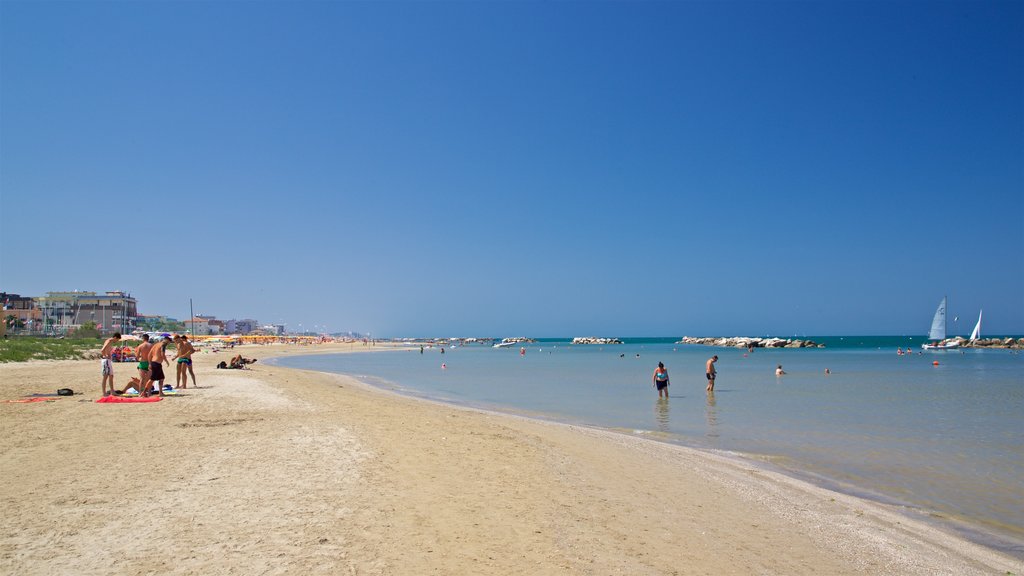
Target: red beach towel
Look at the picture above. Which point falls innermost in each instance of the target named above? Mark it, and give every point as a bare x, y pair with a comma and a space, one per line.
123, 400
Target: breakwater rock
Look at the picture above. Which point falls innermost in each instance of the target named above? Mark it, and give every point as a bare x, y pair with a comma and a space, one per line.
517, 340
1013, 344
747, 342
595, 340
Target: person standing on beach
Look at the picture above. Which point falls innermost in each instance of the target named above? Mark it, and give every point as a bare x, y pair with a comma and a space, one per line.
710, 372
179, 367
106, 364
157, 359
661, 380
142, 354
184, 362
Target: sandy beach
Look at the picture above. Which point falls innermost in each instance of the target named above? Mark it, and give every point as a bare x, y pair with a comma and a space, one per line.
280, 471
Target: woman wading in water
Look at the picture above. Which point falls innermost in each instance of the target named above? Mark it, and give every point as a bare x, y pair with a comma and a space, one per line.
661, 380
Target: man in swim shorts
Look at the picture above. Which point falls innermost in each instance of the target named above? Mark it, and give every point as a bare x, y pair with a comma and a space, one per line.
157, 359
710, 372
142, 353
106, 364
179, 366
184, 358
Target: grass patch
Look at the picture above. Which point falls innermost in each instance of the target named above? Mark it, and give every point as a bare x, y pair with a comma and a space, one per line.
24, 348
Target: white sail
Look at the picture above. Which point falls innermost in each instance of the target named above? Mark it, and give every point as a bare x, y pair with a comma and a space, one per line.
977, 328
938, 331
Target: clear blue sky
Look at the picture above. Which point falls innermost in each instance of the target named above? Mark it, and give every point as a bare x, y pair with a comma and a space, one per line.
520, 168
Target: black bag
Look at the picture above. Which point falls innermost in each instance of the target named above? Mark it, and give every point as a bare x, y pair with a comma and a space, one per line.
65, 392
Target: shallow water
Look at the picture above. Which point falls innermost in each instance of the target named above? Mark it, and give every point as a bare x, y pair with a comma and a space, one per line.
944, 441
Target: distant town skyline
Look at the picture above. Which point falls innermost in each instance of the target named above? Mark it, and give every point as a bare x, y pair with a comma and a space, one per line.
539, 169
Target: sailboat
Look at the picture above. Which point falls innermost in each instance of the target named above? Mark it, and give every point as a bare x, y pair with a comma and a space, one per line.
938, 331
976, 333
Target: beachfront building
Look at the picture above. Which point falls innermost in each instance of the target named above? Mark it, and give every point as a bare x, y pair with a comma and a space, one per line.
246, 326
203, 326
63, 312
20, 315
272, 329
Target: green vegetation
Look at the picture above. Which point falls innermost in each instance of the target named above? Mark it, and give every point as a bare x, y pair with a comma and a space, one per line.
22, 348
161, 326
87, 330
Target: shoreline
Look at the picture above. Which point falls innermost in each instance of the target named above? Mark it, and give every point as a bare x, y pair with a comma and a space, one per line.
276, 469
978, 533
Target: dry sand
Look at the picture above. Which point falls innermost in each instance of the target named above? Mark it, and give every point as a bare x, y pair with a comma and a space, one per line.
279, 471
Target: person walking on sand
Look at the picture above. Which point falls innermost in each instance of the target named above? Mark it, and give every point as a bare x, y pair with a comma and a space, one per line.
106, 364
661, 380
710, 372
157, 359
142, 353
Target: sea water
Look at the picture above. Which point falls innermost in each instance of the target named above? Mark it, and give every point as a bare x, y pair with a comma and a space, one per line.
944, 441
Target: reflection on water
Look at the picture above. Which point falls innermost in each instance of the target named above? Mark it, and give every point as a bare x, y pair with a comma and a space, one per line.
661, 415
711, 416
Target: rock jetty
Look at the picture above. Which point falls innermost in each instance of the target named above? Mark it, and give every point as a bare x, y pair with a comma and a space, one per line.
1013, 344
595, 340
747, 342
517, 340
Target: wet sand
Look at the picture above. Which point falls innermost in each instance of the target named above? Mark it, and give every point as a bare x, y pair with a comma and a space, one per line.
279, 471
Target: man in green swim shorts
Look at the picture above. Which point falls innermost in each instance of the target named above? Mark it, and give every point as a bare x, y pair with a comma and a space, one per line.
142, 353
185, 350
184, 358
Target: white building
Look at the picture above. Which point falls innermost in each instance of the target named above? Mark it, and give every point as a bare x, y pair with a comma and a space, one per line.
202, 327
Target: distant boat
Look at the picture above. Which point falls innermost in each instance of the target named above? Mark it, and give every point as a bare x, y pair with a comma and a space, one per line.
938, 331
977, 328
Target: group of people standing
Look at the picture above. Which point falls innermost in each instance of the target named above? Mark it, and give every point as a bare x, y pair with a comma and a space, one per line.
152, 356
661, 380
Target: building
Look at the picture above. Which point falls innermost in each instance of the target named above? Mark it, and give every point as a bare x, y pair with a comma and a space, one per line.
241, 326
26, 317
111, 312
203, 326
272, 329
